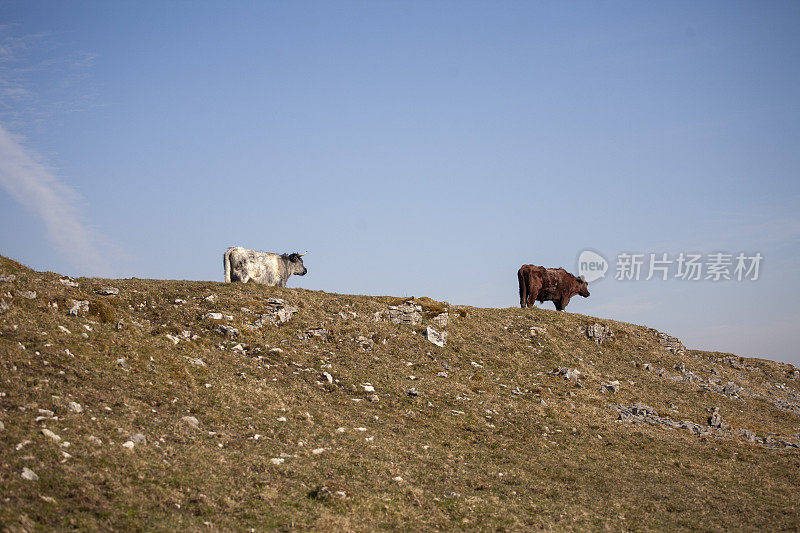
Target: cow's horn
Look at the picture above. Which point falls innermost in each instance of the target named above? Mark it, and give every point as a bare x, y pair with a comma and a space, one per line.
304, 253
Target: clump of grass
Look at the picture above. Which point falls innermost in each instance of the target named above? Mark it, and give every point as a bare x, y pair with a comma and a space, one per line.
102, 310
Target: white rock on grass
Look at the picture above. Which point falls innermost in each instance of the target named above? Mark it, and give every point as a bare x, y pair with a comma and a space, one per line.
95, 440
2, 426
29, 474
107, 291
277, 460
138, 438
368, 387
213, 316
128, 444
47, 433
317, 451
191, 421
439, 339
65, 330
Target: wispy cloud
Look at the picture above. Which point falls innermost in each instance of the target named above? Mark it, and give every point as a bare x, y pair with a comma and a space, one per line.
36, 187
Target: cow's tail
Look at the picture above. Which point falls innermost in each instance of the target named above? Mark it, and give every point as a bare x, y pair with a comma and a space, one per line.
523, 293
226, 260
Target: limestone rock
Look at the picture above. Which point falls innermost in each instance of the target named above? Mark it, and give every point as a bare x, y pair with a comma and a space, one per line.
441, 320
68, 282
191, 421
731, 389
79, 308
365, 342
107, 291
435, 337
75, 407
715, 420
29, 474
7, 278
321, 333
672, 344
407, 313
3, 306
227, 331
28, 295
599, 333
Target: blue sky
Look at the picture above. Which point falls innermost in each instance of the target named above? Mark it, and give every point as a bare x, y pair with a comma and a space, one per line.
415, 148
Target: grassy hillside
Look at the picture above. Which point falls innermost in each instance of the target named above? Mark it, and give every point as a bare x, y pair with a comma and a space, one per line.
140, 411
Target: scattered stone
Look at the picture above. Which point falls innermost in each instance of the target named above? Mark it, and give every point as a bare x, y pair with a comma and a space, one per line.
7, 278
368, 387
374, 398
320, 333
347, 315
28, 295
138, 438
672, 344
210, 298
238, 348
128, 444
75, 407
173, 338
568, 373
123, 363
715, 420
226, 331
196, 361
365, 342
49, 434
94, 440
120, 325
612, 386
275, 350
68, 282
213, 316
107, 291
317, 451
648, 367
442, 374
439, 339
29, 474
277, 460
731, 389
191, 422
536, 330
3, 306
413, 392
2, 426
328, 377
599, 333
279, 313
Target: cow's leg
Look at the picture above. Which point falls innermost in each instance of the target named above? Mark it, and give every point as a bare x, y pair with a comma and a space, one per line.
523, 293
563, 303
533, 291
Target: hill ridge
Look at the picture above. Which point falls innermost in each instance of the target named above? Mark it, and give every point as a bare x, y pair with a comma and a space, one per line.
142, 404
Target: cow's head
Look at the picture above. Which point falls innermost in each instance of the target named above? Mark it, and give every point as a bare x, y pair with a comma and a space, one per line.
583, 286
295, 263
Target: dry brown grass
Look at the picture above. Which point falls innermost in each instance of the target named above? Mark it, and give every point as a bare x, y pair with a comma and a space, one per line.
566, 463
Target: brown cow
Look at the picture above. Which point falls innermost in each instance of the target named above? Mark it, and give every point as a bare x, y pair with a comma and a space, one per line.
549, 284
